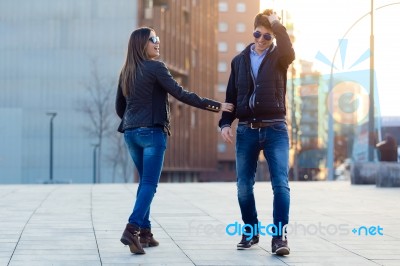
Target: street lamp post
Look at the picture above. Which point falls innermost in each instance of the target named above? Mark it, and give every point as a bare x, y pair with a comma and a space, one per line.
371, 120
52, 116
95, 147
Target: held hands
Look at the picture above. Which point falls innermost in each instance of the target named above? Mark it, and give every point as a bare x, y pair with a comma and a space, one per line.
226, 132
227, 107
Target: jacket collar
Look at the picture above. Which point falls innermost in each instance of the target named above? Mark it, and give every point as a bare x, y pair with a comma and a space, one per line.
246, 51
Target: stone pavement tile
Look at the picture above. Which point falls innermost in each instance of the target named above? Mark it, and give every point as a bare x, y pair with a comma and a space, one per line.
57, 224
31, 230
5, 254
71, 262
328, 260
325, 263
232, 254
194, 245
244, 261
373, 248
57, 252
147, 264
9, 239
387, 262
253, 261
375, 256
7, 247
108, 234
50, 236
355, 247
167, 259
56, 244
4, 259
54, 257
9, 230
304, 246
113, 248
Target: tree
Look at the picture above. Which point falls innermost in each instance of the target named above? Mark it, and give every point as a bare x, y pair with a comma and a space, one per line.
120, 159
98, 107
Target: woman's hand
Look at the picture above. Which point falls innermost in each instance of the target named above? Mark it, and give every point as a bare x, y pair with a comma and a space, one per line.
227, 107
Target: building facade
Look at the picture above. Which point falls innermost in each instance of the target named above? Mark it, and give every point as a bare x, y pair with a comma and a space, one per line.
235, 29
188, 32
50, 54
311, 152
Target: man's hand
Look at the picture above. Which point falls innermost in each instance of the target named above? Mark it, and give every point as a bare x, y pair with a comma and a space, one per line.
227, 135
271, 16
227, 107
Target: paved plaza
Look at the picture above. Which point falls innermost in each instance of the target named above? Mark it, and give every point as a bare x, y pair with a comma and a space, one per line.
81, 225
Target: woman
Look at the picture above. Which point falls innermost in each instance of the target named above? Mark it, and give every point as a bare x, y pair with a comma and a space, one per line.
142, 104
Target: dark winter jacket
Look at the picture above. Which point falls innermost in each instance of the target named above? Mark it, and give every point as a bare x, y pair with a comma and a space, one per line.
148, 105
270, 85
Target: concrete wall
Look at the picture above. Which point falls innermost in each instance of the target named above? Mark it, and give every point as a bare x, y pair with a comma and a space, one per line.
47, 51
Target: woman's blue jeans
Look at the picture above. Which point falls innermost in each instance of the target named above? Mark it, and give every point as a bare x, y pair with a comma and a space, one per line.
147, 148
274, 142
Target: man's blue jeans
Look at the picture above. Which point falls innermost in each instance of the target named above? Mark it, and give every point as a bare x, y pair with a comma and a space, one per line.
274, 142
147, 148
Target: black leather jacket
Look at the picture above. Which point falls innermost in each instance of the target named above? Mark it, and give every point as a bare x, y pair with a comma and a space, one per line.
269, 87
148, 105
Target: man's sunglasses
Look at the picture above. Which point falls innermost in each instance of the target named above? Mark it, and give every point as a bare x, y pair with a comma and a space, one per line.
266, 36
154, 39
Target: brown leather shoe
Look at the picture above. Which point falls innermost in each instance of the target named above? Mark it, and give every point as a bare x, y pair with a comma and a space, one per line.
130, 237
147, 239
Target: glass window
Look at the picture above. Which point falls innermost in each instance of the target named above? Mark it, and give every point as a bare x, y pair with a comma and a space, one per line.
222, 46
222, 67
221, 87
223, 27
240, 27
221, 147
241, 7
223, 7
240, 46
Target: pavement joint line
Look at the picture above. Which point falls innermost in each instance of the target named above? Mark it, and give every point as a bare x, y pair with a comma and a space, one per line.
180, 248
348, 250
30, 217
91, 219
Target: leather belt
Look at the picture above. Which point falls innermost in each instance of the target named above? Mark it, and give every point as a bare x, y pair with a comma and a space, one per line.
257, 125
155, 126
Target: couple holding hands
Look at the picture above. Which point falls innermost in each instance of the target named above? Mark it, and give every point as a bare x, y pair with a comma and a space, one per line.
255, 95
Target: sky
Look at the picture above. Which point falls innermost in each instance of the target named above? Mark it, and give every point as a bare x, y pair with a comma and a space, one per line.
320, 24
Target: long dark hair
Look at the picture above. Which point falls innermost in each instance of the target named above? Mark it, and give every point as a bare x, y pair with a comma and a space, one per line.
135, 56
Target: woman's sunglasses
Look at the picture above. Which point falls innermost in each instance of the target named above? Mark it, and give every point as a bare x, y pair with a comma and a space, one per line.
154, 39
266, 36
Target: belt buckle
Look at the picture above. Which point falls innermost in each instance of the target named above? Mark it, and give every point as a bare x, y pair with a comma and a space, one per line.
252, 127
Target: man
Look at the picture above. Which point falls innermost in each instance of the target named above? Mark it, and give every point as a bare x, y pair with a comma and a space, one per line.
257, 88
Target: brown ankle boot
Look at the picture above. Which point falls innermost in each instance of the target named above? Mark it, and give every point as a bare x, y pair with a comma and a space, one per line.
147, 239
130, 237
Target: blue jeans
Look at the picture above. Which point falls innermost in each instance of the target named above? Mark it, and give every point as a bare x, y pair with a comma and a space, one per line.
147, 148
274, 142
